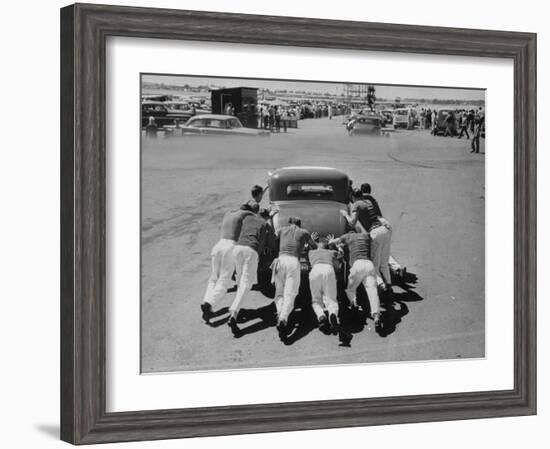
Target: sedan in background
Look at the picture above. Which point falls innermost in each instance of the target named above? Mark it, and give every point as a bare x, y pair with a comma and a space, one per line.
216, 124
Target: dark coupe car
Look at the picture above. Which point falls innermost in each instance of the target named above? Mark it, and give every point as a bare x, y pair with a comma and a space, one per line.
316, 195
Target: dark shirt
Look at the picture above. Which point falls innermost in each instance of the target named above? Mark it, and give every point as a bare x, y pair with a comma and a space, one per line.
367, 213
377, 210
232, 223
326, 256
292, 240
253, 203
477, 130
358, 245
151, 130
253, 233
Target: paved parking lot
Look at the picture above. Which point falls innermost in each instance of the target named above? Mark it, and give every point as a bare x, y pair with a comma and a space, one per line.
430, 188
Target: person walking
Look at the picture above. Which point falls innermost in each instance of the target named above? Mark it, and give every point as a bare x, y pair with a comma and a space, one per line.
362, 271
323, 287
250, 244
464, 126
471, 120
286, 269
222, 258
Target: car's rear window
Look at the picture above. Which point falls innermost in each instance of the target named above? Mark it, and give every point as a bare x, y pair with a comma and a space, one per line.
309, 190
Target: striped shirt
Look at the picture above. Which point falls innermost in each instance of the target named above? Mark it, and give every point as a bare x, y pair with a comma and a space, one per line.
326, 256
292, 240
358, 245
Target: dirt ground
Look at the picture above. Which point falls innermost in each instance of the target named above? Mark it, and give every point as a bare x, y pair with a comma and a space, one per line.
430, 188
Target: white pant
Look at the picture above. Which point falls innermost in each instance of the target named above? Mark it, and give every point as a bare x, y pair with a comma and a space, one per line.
322, 283
246, 264
380, 252
363, 272
223, 265
287, 285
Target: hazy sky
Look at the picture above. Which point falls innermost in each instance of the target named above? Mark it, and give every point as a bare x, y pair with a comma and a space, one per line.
382, 91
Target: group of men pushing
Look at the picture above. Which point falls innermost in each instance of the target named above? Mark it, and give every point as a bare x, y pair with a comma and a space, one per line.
247, 231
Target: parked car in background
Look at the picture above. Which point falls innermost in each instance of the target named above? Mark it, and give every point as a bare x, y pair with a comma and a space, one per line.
180, 107
401, 117
388, 116
218, 124
441, 122
162, 114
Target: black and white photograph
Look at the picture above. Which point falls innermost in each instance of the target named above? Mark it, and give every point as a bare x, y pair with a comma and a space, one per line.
301, 223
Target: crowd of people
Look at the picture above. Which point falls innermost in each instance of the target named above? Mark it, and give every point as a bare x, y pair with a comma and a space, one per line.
246, 231
462, 122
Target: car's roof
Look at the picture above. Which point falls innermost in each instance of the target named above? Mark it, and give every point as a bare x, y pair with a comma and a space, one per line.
283, 177
213, 116
308, 174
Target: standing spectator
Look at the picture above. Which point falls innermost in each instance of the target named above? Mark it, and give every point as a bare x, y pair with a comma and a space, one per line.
258, 111
330, 112
151, 128
277, 119
271, 117
285, 117
476, 136
422, 118
266, 117
434, 122
177, 128
227, 109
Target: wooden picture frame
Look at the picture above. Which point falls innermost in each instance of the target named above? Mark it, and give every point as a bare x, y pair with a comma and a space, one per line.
84, 29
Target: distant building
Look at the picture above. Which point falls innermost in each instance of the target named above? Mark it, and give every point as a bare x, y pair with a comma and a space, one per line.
242, 99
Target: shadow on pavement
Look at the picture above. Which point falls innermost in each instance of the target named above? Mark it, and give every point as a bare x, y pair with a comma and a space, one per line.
302, 320
395, 307
216, 314
266, 316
